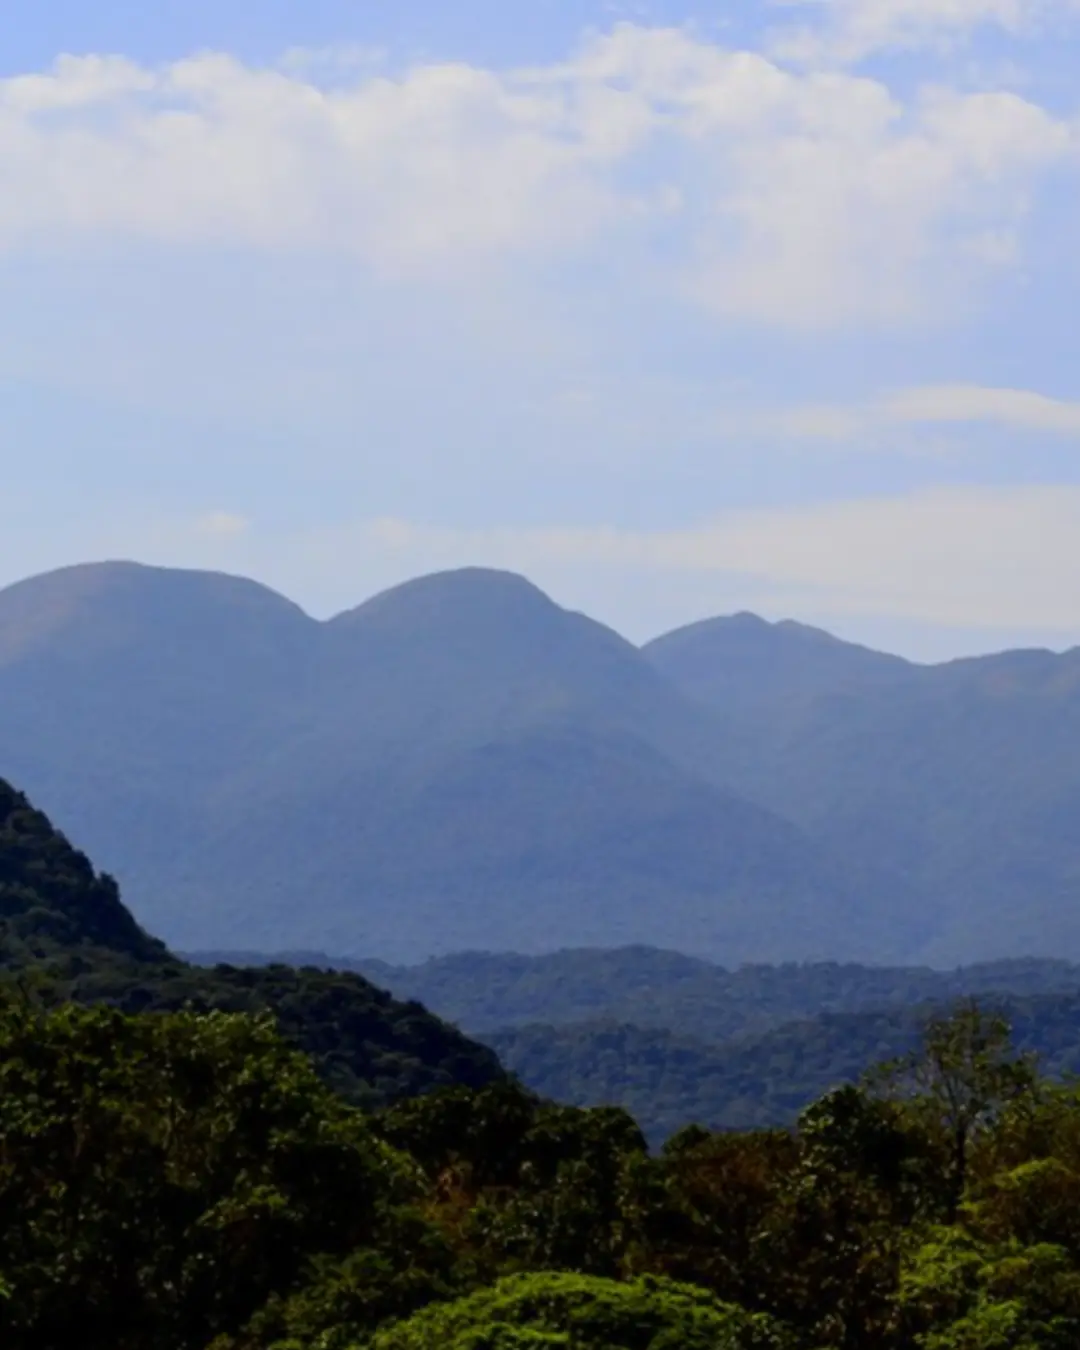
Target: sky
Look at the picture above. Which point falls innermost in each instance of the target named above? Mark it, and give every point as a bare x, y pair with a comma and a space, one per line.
678, 309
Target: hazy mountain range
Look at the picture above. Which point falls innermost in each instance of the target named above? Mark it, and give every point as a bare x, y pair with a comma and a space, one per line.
459, 763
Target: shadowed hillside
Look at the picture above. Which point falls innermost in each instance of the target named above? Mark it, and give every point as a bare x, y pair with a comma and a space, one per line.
65, 933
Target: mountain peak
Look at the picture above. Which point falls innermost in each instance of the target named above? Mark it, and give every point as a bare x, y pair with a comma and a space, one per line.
743, 658
455, 594
106, 602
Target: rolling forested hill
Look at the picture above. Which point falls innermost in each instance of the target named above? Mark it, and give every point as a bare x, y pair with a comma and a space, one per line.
675, 1040
754, 1081
64, 933
486, 991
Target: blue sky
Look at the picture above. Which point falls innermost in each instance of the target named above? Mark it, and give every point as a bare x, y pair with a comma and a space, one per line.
678, 314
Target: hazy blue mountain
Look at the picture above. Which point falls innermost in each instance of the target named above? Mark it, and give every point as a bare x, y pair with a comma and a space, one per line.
458, 762
744, 663
961, 778
127, 691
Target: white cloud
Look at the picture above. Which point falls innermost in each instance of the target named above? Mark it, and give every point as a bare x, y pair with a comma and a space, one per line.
1020, 409
978, 560
794, 199
848, 31
940, 404
965, 557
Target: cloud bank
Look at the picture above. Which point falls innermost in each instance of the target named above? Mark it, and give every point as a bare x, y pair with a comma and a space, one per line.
629, 322
758, 191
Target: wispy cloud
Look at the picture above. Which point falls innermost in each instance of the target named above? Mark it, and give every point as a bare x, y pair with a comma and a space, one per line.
1021, 409
845, 32
968, 557
791, 199
937, 404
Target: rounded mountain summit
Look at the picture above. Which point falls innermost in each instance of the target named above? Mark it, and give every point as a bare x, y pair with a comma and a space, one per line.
458, 762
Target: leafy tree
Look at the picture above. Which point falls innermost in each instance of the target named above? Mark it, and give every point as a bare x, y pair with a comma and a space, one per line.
576, 1312
958, 1294
960, 1079
163, 1177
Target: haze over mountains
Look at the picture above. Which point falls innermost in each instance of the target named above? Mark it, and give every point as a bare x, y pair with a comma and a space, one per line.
963, 778
459, 763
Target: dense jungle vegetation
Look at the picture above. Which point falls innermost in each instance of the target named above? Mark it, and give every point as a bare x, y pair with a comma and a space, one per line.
186, 1181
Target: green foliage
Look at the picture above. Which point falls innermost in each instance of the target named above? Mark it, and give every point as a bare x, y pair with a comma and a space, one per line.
958, 1294
963, 1075
187, 1181
579, 1312
545, 1186
50, 896
162, 1177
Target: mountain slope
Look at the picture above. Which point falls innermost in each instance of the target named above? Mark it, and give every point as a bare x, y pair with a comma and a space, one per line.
457, 762
742, 663
963, 779
125, 690
529, 842
65, 926
51, 897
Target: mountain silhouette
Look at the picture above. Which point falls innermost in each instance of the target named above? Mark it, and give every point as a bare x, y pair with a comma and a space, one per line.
456, 762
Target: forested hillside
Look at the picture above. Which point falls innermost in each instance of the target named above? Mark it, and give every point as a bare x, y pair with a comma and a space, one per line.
667, 1081
675, 1040
64, 933
185, 1181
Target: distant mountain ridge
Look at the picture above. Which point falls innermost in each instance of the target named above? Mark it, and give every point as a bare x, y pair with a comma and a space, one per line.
460, 763
963, 778
676, 1040
484, 992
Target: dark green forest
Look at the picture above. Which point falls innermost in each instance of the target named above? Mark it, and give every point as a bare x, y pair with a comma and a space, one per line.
187, 1181
282, 1159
